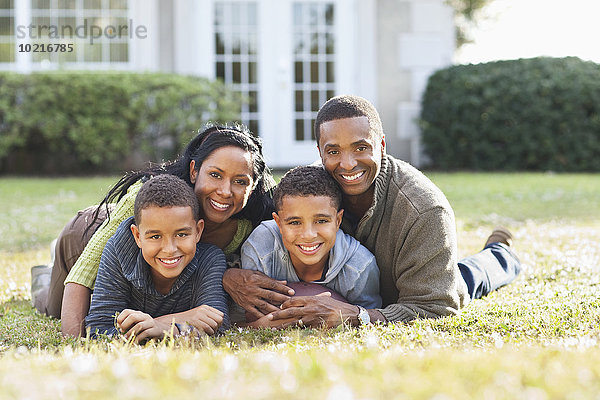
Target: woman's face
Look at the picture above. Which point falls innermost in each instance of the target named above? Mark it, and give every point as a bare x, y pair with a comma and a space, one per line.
223, 183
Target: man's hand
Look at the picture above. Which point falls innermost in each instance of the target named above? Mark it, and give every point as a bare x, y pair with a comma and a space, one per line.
142, 325
315, 311
254, 291
203, 318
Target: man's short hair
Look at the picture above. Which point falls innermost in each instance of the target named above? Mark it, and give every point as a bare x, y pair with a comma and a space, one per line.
348, 106
309, 180
165, 190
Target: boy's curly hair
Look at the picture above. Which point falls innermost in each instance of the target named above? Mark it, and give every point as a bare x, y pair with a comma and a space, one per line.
165, 190
309, 180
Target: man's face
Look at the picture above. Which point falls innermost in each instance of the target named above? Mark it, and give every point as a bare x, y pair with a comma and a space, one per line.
351, 154
308, 226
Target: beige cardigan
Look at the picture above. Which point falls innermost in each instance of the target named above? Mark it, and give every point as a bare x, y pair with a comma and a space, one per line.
411, 230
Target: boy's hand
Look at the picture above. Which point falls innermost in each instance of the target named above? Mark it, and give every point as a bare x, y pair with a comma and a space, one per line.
203, 318
254, 291
142, 325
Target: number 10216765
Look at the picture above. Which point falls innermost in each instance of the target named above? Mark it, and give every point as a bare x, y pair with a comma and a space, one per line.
45, 48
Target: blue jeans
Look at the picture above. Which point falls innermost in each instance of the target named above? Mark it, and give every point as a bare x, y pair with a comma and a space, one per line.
493, 267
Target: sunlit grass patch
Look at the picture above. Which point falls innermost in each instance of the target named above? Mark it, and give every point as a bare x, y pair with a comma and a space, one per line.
536, 338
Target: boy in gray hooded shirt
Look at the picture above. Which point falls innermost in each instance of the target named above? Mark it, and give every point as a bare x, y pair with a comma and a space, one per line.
304, 242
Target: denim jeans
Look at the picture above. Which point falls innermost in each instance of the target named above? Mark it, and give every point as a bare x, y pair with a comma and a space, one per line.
493, 267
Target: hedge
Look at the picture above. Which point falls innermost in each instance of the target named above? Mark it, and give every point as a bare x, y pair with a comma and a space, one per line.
82, 122
528, 114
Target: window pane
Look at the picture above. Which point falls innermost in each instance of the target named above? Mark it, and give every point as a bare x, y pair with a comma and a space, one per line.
314, 72
298, 44
221, 70
312, 133
236, 44
118, 52
297, 14
7, 52
67, 4
39, 3
299, 129
330, 72
7, 26
298, 72
219, 44
92, 52
329, 14
237, 73
118, 4
251, 41
253, 126
329, 43
67, 26
299, 100
95, 4
8, 4
252, 78
253, 106
314, 100
219, 14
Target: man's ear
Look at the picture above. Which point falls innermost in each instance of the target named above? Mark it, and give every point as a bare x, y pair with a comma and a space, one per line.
200, 228
277, 220
136, 235
193, 172
338, 218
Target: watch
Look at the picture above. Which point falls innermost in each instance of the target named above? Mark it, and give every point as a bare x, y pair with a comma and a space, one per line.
363, 316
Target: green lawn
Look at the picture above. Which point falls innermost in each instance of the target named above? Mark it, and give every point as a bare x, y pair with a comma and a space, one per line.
537, 338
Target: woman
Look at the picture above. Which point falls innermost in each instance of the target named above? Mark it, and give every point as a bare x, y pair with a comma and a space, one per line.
225, 167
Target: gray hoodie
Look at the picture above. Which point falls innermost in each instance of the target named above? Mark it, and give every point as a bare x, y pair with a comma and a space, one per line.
352, 270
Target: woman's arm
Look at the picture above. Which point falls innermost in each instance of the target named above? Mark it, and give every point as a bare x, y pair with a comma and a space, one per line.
84, 271
75, 306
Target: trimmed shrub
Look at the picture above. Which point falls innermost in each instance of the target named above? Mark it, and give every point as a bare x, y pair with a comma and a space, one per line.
528, 114
79, 122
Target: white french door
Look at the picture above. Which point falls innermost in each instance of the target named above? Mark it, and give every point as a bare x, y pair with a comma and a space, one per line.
287, 57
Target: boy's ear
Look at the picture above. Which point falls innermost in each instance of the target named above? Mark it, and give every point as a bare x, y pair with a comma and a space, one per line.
338, 218
193, 172
200, 228
136, 235
277, 220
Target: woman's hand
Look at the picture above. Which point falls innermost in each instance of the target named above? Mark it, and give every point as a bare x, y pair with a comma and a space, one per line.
255, 292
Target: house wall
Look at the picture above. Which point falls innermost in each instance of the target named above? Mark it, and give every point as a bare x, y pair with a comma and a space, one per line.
414, 38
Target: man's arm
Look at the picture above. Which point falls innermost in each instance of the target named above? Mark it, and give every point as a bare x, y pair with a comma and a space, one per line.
75, 307
427, 278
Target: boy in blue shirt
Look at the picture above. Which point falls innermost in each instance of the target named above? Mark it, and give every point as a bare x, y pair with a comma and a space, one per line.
304, 242
155, 273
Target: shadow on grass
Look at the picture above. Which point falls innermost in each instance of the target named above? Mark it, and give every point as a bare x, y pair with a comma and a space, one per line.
22, 325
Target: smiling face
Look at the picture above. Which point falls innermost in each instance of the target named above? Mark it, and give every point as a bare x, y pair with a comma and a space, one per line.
168, 238
308, 226
351, 153
223, 183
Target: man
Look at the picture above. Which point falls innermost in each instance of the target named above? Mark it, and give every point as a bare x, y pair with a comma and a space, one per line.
401, 217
